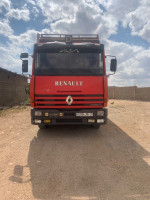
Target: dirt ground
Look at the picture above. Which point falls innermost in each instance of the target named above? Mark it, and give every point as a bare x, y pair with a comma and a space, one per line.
76, 162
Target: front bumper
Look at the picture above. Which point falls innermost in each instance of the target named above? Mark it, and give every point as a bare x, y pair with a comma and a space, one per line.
53, 117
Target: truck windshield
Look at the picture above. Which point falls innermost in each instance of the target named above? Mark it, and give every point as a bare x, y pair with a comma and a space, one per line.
68, 64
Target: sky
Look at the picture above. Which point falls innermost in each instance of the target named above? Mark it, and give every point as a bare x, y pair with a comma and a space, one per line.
123, 27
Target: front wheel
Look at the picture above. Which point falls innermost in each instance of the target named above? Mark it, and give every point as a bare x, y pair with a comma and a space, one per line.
96, 126
42, 126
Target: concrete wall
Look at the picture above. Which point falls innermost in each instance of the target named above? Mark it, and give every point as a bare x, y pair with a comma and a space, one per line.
13, 88
111, 94
143, 94
129, 93
124, 93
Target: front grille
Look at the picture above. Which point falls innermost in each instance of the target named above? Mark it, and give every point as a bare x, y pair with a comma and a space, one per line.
79, 101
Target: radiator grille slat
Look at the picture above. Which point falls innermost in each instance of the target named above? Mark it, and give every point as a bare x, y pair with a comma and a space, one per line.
59, 101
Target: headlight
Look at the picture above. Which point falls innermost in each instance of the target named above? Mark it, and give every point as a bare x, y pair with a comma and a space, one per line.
100, 113
37, 121
91, 120
38, 113
100, 120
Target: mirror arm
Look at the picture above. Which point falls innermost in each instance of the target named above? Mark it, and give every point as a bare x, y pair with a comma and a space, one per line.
31, 55
110, 56
28, 55
110, 74
27, 75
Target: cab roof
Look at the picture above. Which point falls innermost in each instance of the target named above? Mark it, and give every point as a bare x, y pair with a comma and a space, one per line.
64, 39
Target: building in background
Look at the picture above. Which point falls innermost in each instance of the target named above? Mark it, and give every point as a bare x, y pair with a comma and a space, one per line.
13, 88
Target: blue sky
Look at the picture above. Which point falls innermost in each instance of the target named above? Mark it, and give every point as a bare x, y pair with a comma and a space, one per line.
124, 35
123, 26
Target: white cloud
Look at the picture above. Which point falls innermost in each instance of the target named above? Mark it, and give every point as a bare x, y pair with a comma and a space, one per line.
31, 2
77, 17
10, 53
19, 14
133, 64
120, 8
6, 4
56, 10
25, 40
5, 29
132, 13
9, 59
78, 23
35, 11
138, 20
87, 16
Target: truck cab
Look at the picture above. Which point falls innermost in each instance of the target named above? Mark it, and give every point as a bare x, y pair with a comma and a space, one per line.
68, 83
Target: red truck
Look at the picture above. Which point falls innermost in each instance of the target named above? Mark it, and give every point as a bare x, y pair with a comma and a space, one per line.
68, 83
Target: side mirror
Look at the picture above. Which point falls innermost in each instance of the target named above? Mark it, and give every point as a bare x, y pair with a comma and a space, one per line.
24, 55
113, 65
24, 66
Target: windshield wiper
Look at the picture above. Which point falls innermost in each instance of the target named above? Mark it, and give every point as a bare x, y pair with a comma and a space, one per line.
69, 51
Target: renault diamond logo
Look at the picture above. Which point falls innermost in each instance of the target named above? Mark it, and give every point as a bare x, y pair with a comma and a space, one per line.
69, 100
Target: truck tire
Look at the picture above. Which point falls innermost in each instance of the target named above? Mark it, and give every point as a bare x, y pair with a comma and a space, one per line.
42, 126
96, 126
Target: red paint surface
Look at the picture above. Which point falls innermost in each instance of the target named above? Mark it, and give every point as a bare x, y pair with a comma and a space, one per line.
45, 85
91, 85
